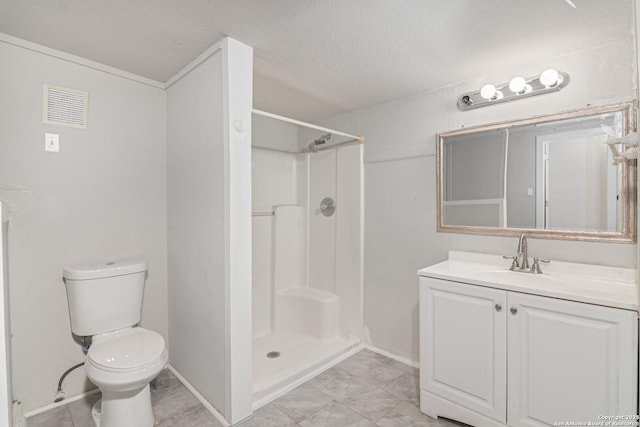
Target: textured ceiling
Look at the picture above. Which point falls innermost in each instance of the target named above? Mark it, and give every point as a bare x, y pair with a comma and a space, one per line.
316, 58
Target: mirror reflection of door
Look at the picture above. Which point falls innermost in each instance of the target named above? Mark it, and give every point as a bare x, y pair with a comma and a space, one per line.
575, 173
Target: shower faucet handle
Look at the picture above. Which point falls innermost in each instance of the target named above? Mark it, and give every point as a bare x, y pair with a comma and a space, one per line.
327, 206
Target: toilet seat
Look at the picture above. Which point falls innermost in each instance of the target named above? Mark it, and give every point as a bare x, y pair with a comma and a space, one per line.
125, 350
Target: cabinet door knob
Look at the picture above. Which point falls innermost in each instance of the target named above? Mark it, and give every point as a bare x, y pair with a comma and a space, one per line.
498, 307
514, 310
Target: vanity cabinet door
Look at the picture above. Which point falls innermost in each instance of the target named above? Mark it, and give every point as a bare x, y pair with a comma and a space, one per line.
463, 345
569, 361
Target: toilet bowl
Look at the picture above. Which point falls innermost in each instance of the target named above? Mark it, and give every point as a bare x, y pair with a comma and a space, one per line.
121, 364
105, 303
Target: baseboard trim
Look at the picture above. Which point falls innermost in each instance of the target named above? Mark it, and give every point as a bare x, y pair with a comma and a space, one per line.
200, 397
64, 402
393, 356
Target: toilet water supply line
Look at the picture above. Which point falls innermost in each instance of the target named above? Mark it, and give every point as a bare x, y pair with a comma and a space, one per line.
59, 393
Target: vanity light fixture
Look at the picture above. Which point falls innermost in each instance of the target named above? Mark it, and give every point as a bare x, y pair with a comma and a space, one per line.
519, 85
490, 93
550, 80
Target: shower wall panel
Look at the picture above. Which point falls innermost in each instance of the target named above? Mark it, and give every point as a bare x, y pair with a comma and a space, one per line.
322, 229
273, 177
289, 252
274, 181
335, 242
349, 239
299, 247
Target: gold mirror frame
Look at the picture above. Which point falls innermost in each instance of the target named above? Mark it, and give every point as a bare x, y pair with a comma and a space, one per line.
628, 193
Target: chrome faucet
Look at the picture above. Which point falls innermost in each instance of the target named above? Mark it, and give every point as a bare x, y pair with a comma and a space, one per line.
521, 253
521, 259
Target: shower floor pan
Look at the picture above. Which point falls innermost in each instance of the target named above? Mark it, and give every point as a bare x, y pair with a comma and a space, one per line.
301, 356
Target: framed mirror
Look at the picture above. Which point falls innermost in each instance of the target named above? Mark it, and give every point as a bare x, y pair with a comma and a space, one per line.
566, 176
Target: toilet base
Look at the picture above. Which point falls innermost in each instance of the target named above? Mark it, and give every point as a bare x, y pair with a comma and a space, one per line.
95, 412
124, 409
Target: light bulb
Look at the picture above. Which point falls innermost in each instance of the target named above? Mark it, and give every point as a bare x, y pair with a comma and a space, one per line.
517, 85
488, 91
549, 77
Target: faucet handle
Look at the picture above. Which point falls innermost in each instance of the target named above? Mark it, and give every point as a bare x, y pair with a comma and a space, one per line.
535, 267
515, 263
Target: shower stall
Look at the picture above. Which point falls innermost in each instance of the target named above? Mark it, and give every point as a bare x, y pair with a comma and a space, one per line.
307, 252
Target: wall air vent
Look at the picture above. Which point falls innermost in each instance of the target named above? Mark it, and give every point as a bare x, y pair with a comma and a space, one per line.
65, 107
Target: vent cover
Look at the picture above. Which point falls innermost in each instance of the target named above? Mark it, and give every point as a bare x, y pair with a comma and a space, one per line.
65, 107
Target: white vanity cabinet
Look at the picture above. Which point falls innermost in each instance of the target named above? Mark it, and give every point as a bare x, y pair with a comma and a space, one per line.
569, 361
490, 356
463, 348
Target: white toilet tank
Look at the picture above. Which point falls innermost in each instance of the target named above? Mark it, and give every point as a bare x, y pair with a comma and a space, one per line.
105, 297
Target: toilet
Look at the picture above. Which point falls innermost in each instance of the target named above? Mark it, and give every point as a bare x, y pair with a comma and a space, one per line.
105, 303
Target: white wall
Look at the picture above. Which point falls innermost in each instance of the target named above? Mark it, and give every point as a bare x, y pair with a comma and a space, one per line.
209, 226
6, 389
400, 196
103, 196
238, 103
196, 256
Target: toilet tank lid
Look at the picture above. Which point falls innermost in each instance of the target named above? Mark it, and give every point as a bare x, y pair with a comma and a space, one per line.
105, 269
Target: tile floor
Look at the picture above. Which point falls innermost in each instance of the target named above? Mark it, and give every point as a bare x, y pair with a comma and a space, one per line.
364, 390
173, 406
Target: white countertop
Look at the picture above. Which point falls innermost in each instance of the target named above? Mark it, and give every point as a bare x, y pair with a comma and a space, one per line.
593, 284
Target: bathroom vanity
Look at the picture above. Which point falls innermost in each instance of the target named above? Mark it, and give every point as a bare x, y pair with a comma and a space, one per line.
499, 347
